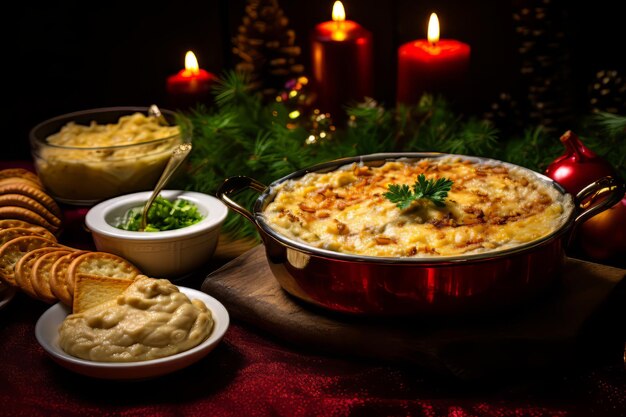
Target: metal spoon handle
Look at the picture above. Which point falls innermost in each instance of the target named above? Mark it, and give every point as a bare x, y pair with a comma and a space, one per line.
155, 111
178, 156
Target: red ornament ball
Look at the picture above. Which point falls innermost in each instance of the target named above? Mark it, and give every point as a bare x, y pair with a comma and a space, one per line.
579, 166
604, 235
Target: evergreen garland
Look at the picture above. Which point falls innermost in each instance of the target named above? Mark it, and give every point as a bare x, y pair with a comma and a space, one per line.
243, 136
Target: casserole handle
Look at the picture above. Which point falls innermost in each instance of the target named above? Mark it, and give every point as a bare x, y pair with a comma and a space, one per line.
595, 198
235, 185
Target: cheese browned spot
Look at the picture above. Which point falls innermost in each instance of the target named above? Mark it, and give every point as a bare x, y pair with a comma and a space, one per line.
491, 206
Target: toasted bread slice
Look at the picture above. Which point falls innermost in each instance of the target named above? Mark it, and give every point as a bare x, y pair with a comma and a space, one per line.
92, 290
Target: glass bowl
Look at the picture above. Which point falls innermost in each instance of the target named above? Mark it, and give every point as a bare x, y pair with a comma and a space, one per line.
86, 175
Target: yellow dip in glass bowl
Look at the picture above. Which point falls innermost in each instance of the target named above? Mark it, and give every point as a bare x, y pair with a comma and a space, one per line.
86, 157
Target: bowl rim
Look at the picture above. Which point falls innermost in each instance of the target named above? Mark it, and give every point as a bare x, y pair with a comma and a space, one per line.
95, 218
95, 111
267, 196
221, 319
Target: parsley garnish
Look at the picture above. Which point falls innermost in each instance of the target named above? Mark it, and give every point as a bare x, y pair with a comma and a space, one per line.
433, 190
163, 215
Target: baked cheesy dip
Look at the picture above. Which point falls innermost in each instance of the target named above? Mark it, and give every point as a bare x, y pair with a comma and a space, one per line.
151, 319
491, 206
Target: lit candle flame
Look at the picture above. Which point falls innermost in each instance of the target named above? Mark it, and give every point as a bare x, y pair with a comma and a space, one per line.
191, 63
339, 18
339, 13
433, 28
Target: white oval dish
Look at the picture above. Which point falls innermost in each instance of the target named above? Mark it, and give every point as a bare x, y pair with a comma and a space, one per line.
166, 254
47, 334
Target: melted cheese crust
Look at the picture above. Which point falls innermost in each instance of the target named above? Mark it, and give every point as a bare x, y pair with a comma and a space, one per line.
490, 207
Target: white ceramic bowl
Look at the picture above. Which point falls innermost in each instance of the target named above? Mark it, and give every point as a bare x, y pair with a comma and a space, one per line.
166, 254
47, 333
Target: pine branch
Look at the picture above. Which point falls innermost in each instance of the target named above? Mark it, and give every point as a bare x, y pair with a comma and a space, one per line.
433, 127
232, 89
475, 137
370, 129
535, 149
612, 124
611, 140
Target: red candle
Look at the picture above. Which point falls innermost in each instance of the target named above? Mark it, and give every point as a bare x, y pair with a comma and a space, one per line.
433, 65
191, 85
342, 62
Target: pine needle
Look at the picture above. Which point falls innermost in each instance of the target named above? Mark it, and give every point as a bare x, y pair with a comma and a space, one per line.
612, 124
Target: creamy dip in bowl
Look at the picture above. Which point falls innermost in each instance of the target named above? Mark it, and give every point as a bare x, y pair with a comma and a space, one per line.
150, 320
47, 334
85, 157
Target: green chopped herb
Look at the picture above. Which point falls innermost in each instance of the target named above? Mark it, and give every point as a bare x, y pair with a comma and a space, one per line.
434, 190
163, 215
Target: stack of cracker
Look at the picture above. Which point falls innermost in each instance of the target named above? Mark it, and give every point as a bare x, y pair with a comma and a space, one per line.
46, 270
31, 258
23, 197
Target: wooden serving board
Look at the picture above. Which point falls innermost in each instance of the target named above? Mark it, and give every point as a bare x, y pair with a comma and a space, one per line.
551, 331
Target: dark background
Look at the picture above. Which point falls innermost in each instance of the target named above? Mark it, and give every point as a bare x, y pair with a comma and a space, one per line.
77, 55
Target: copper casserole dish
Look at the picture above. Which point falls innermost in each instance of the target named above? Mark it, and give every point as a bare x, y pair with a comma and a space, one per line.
380, 286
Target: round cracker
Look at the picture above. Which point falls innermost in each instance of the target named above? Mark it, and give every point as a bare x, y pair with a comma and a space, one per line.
17, 180
13, 232
20, 213
33, 193
24, 266
40, 274
20, 200
20, 173
12, 251
100, 263
58, 277
8, 223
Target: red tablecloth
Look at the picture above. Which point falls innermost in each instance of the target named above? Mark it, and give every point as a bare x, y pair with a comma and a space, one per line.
249, 374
